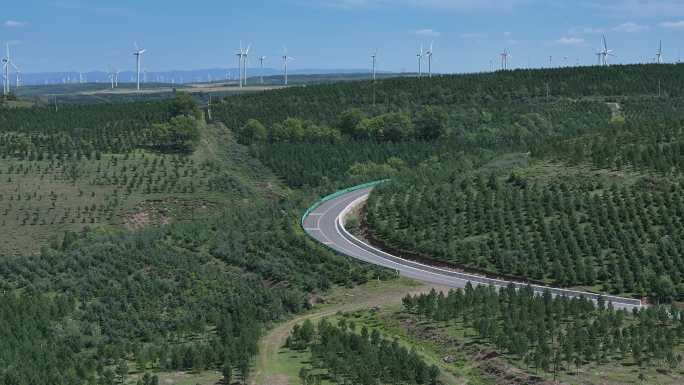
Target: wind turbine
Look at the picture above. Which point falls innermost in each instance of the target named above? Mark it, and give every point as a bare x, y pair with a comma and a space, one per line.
286, 59
239, 56
112, 76
606, 52
244, 64
374, 56
261, 70
7, 63
138, 58
504, 60
659, 55
428, 53
420, 55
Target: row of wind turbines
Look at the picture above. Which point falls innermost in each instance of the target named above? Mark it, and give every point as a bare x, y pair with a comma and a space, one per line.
424, 56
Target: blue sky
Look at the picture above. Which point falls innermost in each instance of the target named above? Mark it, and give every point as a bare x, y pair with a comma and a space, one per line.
84, 35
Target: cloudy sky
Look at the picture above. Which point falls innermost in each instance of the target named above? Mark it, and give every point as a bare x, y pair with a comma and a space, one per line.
85, 35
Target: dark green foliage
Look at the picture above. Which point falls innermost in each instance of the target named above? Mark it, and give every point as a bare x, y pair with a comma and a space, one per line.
178, 135
556, 333
431, 123
569, 234
359, 358
183, 104
326, 167
34, 350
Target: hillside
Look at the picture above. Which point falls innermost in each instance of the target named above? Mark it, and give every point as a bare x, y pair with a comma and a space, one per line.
144, 238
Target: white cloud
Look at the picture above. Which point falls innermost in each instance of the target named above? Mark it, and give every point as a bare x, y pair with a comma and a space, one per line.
673, 24
630, 27
586, 31
472, 35
427, 32
570, 40
459, 5
14, 24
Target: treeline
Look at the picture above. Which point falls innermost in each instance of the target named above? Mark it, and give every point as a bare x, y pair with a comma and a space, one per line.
557, 333
626, 239
360, 357
430, 123
323, 103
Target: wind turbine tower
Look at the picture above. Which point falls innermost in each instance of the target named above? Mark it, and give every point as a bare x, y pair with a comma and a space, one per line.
659, 55
7, 63
420, 55
245, 56
286, 59
429, 57
504, 60
138, 58
262, 59
239, 56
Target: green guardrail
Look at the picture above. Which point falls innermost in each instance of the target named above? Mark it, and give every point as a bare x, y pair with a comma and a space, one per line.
337, 194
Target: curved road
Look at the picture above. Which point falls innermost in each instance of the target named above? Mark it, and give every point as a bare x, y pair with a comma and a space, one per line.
325, 223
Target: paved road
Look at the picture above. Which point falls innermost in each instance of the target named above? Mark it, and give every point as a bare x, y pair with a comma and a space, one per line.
325, 223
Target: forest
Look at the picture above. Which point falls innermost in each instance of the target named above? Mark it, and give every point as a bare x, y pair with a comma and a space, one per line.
568, 176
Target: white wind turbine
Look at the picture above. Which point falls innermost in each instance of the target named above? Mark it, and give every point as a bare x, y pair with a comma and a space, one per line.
7, 63
262, 59
245, 61
659, 54
241, 54
112, 76
429, 53
420, 56
504, 60
238, 53
606, 52
286, 59
138, 58
374, 56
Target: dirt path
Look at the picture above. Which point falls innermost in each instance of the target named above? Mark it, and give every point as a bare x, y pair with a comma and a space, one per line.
364, 297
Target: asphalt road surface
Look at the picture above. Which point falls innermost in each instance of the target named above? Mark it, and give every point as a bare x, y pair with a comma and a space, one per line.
325, 223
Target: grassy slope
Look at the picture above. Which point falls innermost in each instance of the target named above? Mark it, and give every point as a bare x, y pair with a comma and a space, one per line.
470, 350
40, 200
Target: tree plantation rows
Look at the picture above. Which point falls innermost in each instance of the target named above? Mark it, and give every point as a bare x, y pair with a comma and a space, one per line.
357, 356
621, 239
555, 334
647, 135
88, 131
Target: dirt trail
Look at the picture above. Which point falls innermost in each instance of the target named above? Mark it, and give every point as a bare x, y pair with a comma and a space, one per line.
271, 343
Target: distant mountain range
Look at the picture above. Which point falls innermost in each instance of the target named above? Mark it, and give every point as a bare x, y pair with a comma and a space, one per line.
176, 77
